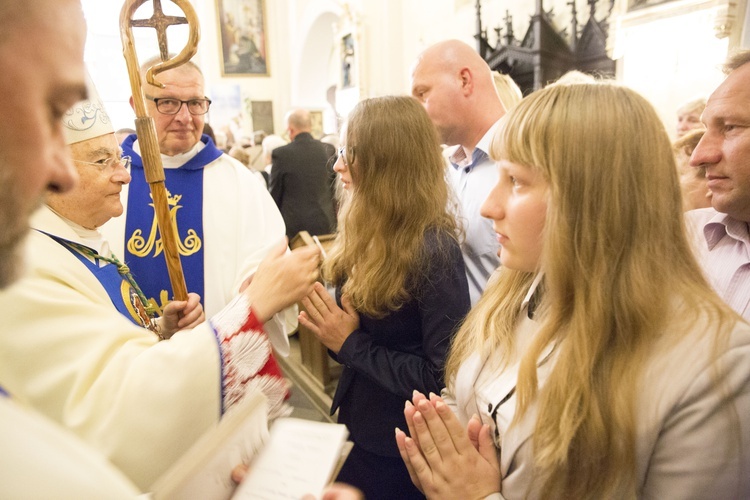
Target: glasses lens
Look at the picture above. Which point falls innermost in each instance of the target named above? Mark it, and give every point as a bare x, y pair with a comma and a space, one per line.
168, 106
198, 106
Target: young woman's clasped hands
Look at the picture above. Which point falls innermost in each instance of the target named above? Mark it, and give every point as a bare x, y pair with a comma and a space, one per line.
444, 459
400, 281
331, 324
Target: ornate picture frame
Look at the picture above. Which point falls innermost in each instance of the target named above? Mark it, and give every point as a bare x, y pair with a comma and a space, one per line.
243, 40
643, 4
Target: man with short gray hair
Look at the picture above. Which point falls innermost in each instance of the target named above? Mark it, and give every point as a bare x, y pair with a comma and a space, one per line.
721, 233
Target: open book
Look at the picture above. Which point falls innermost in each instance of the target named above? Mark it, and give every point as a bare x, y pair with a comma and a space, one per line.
301, 457
296, 458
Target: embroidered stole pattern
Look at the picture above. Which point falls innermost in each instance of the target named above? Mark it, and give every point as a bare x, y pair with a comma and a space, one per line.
143, 245
124, 295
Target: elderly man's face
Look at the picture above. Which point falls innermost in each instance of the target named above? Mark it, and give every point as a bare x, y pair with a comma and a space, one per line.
725, 147
96, 198
43, 75
178, 133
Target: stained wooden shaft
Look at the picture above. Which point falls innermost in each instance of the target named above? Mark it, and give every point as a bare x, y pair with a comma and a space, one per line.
144, 125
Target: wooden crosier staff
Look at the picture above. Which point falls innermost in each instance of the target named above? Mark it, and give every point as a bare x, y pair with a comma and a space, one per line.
144, 124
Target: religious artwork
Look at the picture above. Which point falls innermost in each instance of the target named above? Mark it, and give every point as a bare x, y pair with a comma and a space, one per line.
347, 61
262, 113
349, 38
316, 118
243, 41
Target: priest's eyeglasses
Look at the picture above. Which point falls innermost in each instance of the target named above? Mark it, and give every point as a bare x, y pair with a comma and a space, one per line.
172, 106
108, 164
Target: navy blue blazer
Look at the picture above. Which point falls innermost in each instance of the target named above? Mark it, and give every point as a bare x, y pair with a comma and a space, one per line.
386, 359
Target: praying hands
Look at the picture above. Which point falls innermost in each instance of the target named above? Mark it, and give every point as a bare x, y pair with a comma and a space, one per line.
331, 324
445, 460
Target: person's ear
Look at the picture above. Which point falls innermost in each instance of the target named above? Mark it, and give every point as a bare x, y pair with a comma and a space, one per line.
467, 81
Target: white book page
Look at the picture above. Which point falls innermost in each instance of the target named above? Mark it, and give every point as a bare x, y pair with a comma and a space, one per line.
298, 459
205, 470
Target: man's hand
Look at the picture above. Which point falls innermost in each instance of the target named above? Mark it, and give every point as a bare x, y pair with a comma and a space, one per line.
282, 279
181, 315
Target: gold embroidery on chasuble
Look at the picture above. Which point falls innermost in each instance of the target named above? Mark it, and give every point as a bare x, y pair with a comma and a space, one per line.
143, 247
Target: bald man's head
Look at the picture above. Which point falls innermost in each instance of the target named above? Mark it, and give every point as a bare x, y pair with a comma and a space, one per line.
452, 55
455, 86
297, 122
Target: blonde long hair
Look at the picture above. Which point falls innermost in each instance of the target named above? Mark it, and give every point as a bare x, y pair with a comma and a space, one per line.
399, 193
618, 268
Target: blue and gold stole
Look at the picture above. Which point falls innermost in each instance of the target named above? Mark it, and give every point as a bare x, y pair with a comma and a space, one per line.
116, 280
143, 245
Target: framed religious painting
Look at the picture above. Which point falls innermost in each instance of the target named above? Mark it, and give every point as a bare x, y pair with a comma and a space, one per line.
349, 61
243, 39
262, 115
316, 120
349, 48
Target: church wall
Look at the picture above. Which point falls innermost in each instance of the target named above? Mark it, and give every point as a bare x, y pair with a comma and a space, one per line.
252, 88
314, 59
671, 55
669, 51
104, 60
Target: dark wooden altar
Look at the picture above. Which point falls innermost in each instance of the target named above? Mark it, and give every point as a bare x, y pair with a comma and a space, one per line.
544, 54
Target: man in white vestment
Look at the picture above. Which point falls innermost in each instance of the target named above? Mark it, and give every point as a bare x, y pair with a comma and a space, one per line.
41, 52
96, 363
226, 219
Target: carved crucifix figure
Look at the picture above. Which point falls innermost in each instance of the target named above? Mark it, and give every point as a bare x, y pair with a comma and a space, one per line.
160, 22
